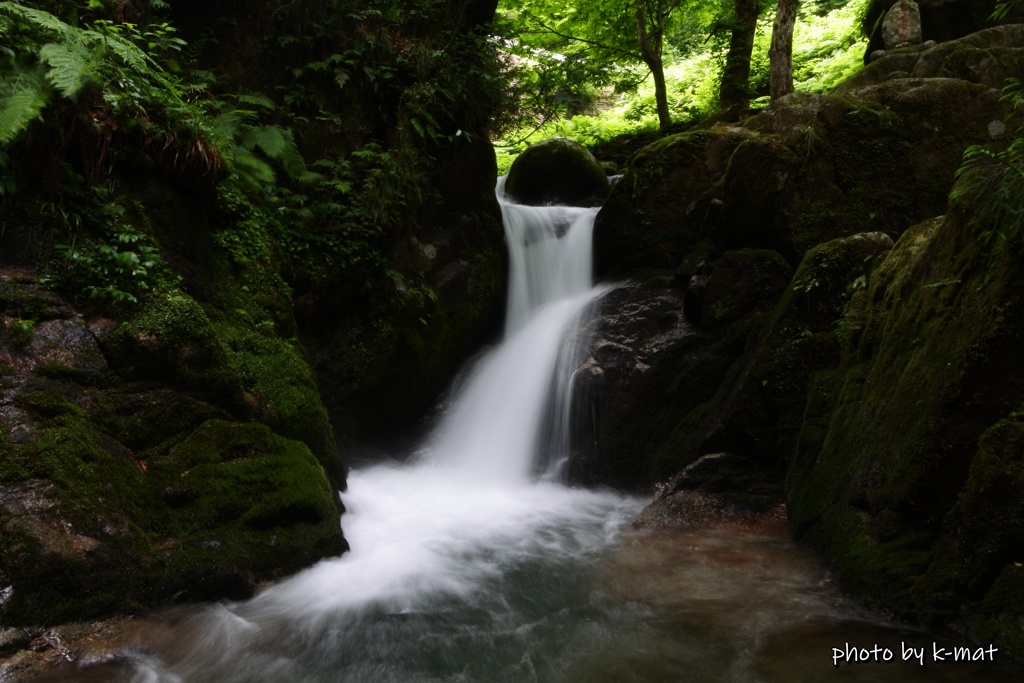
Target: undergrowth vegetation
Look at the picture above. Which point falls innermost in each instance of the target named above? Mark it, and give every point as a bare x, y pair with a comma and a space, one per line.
331, 141
991, 180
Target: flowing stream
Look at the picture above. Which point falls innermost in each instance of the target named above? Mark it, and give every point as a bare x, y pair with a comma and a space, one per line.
472, 563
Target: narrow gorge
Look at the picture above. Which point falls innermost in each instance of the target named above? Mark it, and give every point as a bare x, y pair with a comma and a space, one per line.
742, 400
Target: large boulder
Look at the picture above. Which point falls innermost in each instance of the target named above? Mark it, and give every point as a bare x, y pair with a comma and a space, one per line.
988, 58
179, 454
902, 25
665, 202
907, 476
941, 20
877, 155
555, 171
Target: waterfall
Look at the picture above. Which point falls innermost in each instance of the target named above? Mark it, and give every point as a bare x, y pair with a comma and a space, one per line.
493, 431
467, 566
455, 540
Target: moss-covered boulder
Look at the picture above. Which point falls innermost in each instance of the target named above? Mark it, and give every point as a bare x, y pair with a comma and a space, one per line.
92, 529
987, 57
668, 198
809, 169
906, 473
177, 451
555, 171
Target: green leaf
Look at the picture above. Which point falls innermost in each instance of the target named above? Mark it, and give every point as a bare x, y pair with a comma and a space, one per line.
22, 100
69, 66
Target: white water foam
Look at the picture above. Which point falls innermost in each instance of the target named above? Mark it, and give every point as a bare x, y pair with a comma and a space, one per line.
469, 508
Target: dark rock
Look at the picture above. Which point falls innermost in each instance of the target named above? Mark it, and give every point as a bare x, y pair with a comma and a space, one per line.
902, 25
987, 57
809, 169
907, 473
555, 171
941, 20
697, 510
636, 340
664, 203
693, 300
741, 282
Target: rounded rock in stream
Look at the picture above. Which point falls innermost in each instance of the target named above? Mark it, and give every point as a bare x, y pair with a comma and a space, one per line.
555, 171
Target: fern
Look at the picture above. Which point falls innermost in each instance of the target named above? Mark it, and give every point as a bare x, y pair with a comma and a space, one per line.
71, 66
994, 180
22, 100
42, 21
50, 57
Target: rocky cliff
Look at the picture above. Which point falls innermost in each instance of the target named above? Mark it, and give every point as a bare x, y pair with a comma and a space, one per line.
804, 317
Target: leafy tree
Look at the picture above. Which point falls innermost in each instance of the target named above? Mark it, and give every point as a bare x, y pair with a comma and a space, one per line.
651, 16
597, 43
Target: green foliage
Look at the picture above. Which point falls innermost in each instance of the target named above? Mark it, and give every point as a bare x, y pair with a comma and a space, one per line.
22, 331
114, 273
46, 59
111, 261
828, 48
1003, 8
564, 55
992, 180
251, 147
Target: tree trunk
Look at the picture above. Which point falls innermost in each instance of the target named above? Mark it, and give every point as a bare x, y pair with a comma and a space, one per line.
661, 96
780, 54
650, 25
735, 90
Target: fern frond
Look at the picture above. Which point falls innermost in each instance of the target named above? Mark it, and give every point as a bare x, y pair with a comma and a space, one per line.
132, 56
70, 66
250, 169
22, 100
292, 161
270, 140
41, 21
255, 99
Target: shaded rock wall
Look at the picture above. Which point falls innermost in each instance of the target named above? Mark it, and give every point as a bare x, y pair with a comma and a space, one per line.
176, 438
131, 475
903, 440
875, 389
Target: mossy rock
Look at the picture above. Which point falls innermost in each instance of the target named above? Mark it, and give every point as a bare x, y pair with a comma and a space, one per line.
743, 281
89, 530
906, 473
808, 169
126, 481
555, 171
665, 202
783, 331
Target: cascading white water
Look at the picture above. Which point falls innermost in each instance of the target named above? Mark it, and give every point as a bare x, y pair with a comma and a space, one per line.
465, 568
492, 431
466, 513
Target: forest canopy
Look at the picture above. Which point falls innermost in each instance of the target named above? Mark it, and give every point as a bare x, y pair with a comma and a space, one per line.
571, 62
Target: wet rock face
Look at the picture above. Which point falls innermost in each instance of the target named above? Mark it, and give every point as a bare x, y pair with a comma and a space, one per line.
555, 171
636, 341
126, 481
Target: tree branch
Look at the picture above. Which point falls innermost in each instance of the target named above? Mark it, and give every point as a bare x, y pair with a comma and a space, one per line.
577, 39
